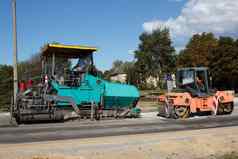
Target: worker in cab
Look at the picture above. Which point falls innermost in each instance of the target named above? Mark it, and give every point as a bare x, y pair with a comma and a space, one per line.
200, 84
82, 65
79, 67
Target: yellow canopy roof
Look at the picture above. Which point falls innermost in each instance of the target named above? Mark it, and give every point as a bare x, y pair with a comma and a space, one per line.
72, 51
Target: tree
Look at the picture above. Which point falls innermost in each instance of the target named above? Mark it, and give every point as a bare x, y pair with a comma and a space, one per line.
224, 64
219, 55
198, 51
116, 68
130, 70
119, 66
31, 68
155, 55
6, 86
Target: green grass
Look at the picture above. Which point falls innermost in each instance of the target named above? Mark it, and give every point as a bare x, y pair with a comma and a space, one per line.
148, 104
4, 109
232, 155
152, 92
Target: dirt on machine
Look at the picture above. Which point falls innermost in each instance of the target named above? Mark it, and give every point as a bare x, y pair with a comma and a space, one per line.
193, 95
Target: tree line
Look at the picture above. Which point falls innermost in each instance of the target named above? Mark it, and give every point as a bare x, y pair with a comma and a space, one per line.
220, 55
154, 57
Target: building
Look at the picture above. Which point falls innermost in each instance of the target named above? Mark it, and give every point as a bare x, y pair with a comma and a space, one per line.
119, 77
152, 81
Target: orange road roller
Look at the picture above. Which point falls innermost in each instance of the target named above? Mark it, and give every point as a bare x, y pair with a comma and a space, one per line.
192, 95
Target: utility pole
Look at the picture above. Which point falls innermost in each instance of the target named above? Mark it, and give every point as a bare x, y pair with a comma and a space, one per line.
14, 23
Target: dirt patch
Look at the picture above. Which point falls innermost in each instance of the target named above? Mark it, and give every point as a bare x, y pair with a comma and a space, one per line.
55, 157
148, 106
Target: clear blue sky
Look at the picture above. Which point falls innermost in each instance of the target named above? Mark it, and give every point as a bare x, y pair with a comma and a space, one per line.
112, 26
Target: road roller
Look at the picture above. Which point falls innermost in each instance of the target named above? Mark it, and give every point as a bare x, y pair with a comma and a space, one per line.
193, 95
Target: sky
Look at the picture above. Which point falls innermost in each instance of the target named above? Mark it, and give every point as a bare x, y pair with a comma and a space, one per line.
112, 26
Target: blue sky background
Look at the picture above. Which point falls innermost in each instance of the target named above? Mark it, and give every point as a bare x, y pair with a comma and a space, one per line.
112, 26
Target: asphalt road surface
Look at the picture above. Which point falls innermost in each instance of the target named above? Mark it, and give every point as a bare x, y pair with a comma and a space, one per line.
149, 123
50, 132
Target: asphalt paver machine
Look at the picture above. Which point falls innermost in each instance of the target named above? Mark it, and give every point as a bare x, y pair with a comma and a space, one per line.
69, 84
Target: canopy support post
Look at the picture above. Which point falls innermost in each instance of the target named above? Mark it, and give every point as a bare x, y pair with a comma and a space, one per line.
53, 65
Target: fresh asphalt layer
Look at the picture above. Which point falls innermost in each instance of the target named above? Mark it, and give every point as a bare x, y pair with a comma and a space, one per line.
149, 123
75, 130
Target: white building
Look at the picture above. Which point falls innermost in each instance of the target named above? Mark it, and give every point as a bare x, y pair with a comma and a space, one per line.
152, 81
119, 77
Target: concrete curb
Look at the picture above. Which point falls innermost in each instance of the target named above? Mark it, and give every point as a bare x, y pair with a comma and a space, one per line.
5, 120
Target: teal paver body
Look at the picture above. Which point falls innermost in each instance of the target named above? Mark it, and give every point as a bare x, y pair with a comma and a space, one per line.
95, 89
